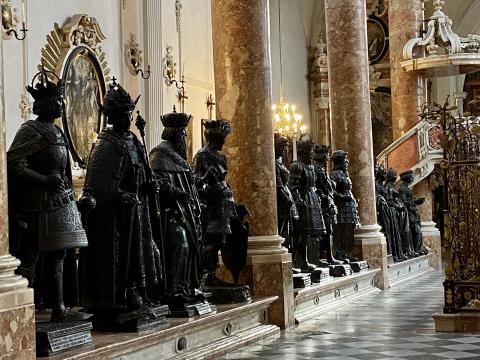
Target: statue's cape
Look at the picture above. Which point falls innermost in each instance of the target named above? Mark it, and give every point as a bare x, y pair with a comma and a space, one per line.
164, 158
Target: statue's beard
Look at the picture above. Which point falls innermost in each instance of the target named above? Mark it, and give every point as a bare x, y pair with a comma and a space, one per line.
179, 144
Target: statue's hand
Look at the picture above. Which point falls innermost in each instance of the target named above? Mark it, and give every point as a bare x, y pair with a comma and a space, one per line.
86, 203
129, 198
54, 182
183, 196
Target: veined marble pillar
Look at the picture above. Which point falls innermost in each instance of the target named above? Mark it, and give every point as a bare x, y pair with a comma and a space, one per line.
431, 235
348, 71
409, 90
17, 312
243, 94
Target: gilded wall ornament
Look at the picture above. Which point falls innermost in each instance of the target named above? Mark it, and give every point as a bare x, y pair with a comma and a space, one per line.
10, 21
178, 8
73, 53
133, 57
169, 66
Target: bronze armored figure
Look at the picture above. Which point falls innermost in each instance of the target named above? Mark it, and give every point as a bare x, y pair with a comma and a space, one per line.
286, 208
44, 219
326, 190
226, 229
308, 203
406, 195
347, 215
122, 268
181, 218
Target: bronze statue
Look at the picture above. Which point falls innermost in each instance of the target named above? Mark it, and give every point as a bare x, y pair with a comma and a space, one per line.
44, 219
225, 229
326, 190
406, 195
307, 201
211, 164
181, 215
347, 215
397, 220
122, 268
286, 209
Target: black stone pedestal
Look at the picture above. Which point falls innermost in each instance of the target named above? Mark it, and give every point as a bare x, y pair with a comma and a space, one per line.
55, 337
229, 294
121, 320
358, 266
301, 280
319, 274
191, 307
340, 270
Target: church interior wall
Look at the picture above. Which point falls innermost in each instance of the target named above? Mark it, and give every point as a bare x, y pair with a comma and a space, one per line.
296, 29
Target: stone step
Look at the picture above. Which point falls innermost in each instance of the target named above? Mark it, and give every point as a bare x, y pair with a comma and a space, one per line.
321, 298
199, 337
406, 270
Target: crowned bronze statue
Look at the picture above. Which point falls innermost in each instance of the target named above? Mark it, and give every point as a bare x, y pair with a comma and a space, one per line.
326, 190
302, 184
286, 209
44, 219
181, 218
122, 268
45, 224
347, 215
406, 195
226, 229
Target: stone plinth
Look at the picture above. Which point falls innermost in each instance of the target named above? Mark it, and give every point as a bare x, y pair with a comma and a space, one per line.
333, 293
433, 242
268, 272
462, 322
205, 337
409, 269
408, 89
370, 245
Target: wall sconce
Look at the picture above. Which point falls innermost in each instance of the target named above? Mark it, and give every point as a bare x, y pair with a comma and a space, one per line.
133, 56
9, 20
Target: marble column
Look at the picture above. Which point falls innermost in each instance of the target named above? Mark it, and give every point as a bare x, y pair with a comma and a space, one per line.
409, 90
431, 235
242, 86
348, 71
17, 312
154, 93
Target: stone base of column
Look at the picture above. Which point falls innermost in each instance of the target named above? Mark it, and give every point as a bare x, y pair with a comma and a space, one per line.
464, 322
268, 272
17, 313
432, 241
370, 245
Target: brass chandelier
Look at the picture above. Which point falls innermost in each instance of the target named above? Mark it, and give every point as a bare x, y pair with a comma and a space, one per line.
286, 121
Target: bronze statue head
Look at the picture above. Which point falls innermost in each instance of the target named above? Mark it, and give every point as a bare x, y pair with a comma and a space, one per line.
48, 96
216, 132
280, 144
391, 175
174, 131
305, 147
118, 107
407, 176
321, 155
380, 173
340, 160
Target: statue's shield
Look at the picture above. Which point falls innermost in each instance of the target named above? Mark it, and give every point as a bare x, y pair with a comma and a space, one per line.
234, 253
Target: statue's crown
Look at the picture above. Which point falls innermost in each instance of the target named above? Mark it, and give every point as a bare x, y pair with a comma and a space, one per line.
44, 88
175, 120
118, 100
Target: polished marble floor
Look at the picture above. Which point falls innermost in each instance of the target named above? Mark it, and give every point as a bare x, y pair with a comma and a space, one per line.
394, 324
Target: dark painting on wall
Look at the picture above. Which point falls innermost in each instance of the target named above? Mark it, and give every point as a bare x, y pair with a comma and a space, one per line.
381, 121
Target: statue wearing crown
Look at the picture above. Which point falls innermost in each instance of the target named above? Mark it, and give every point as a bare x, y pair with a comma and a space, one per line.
225, 228
122, 269
44, 219
181, 219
